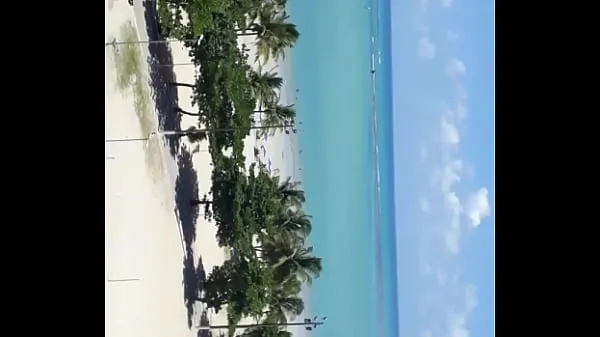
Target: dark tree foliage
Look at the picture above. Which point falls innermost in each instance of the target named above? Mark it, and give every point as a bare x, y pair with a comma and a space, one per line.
251, 291
263, 280
217, 287
260, 205
266, 331
243, 284
225, 190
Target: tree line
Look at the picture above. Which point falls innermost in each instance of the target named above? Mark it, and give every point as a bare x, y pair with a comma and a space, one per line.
259, 216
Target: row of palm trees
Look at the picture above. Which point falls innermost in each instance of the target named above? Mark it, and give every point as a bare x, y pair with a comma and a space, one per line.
267, 21
284, 251
269, 240
281, 249
265, 88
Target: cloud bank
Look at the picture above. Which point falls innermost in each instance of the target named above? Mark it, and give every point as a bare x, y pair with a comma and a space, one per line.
452, 209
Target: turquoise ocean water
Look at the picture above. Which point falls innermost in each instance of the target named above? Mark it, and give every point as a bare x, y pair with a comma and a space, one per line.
353, 220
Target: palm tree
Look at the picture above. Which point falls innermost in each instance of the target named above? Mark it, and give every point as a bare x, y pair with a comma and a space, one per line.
274, 34
184, 112
287, 193
293, 225
278, 115
289, 259
278, 5
264, 85
180, 84
301, 265
285, 302
283, 112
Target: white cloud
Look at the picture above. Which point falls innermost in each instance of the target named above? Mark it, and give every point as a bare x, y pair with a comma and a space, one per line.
424, 205
426, 48
447, 309
457, 325
452, 231
452, 240
452, 35
457, 320
460, 105
446, 176
470, 298
450, 134
455, 68
447, 3
457, 111
478, 206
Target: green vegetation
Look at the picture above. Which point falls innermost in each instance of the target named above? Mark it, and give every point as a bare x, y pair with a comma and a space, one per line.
127, 58
128, 63
258, 216
130, 79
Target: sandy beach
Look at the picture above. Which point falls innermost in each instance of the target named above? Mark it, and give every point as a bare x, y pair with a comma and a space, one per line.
144, 239
143, 251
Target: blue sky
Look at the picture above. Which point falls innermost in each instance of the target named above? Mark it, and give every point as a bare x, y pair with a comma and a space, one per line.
442, 56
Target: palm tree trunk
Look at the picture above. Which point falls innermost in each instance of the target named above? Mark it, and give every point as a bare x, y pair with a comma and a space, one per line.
177, 84
283, 260
286, 279
180, 110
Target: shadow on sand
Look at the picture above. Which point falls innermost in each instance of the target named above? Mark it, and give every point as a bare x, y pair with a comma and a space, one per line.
161, 73
186, 186
186, 189
194, 277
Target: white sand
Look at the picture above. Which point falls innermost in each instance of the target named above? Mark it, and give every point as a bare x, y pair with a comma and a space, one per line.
142, 241
142, 237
